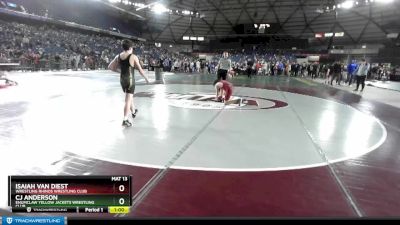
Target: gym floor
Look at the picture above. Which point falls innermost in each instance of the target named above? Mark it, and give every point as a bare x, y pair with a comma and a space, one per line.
294, 148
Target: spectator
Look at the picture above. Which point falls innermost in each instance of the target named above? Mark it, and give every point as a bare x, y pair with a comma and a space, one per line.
361, 74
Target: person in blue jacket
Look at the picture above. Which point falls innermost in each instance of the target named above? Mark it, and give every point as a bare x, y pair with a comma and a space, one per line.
351, 69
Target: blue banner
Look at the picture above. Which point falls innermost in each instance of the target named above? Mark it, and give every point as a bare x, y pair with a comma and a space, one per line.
16, 220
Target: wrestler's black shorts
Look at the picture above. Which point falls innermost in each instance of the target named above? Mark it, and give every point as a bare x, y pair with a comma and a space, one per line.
128, 84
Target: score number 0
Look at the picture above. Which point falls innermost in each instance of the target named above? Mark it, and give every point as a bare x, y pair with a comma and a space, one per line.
121, 188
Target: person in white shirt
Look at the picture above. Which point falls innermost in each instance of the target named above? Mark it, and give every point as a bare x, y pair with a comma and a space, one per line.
265, 68
361, 74
198, 66
176, 66
224, 66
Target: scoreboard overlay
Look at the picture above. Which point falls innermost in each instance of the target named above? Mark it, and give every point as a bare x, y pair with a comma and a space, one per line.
70, 194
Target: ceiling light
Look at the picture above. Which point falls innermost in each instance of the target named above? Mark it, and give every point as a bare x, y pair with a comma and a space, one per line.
159, 8
328, 34
348, 4
319, 35
339, 34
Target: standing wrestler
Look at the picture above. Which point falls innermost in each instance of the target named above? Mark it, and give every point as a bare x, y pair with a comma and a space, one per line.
129, 61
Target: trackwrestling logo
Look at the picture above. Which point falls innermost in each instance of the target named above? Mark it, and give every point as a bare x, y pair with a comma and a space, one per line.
33, 220
206, 101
